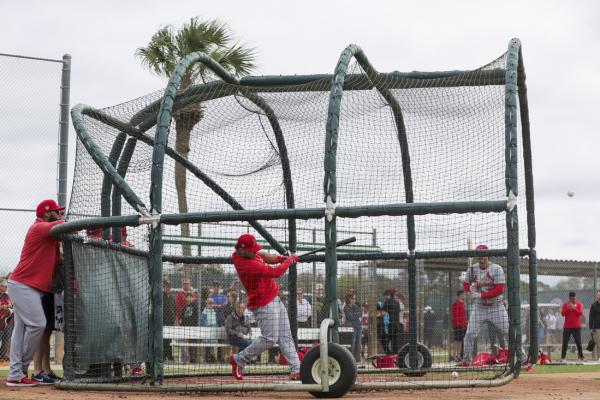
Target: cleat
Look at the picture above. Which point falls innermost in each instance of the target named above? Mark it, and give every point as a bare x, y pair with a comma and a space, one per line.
23, 382
42, 379
52, 375
236, 371
295, 377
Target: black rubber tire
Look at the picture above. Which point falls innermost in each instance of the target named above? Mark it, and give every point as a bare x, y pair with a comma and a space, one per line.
424, 358
341, 365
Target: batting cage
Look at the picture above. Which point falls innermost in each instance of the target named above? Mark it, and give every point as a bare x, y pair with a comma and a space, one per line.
385, 202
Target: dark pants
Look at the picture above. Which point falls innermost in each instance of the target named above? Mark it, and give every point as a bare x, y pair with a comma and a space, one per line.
396, 336
576, 333
239, 342
167, 350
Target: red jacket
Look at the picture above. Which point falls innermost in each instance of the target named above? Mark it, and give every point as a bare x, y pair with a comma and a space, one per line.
258, 278
181, 302
39, 257
459, 315
572, 315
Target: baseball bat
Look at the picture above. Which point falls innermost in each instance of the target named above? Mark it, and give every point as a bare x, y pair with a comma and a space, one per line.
338, 244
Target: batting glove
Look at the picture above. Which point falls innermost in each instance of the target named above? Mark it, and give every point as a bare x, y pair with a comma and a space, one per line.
475, 295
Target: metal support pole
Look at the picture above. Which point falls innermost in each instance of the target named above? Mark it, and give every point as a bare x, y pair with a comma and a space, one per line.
314, 285
63, 140
595, 277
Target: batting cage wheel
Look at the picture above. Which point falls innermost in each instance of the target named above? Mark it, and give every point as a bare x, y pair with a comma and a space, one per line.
424, 359
341, 369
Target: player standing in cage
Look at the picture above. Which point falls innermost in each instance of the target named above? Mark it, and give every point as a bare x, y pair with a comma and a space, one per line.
263, 299
31, 278
485, 282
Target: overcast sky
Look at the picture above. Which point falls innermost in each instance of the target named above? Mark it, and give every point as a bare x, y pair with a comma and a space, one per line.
561, 48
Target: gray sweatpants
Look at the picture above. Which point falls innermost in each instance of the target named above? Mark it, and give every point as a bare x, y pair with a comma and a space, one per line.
274, 325
30, 323
495, 314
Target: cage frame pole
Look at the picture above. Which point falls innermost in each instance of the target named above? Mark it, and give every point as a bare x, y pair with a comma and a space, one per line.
512, 221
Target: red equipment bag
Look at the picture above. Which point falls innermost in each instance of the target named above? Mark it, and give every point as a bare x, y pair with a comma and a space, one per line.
385, 361
301, 352
503, 356
483, 359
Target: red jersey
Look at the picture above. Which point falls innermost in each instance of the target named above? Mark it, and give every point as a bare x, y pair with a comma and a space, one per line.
258, 278
39, 257
459, 315
572, 315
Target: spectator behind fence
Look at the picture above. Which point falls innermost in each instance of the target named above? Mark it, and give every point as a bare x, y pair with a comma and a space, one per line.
229, 307
382, 330
210, 318
353, 314
551, 328
572, 311
395, 329
186, 314
168, 317
304, 310
6, 323
595, 326
237, 329
218, 297
429, 319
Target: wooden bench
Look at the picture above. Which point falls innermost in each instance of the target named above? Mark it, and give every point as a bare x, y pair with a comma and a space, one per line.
213, 337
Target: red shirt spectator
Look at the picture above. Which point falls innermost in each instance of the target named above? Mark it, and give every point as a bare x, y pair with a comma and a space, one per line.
572, 311
459, 314
183, 298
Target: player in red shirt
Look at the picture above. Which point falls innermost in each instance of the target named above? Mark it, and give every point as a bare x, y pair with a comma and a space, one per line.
263, 300
32, 276
572, 311
459, 323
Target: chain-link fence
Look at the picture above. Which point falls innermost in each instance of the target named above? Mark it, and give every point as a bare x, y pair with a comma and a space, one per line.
557, 280
34, 104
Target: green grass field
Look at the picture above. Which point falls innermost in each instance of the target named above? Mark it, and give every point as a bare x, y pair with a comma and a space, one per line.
561, 369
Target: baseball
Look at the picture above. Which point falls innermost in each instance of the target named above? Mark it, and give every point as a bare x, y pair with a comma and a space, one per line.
454, 374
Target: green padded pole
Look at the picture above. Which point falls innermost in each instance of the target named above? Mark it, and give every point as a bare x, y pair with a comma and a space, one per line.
512, 221
329, 184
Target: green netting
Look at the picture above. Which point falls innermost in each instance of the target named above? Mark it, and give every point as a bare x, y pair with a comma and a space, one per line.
437, 139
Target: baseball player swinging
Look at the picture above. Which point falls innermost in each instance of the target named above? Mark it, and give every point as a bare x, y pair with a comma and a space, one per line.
263, 300
485, 283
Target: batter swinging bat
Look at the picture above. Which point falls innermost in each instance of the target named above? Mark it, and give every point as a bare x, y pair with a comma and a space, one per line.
338, 244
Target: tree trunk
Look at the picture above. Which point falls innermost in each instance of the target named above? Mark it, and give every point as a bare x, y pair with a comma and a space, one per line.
182, 146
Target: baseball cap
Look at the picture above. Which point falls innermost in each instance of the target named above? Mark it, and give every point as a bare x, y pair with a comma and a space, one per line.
482, 247
47, 205
248, 242
572, 294
428, 308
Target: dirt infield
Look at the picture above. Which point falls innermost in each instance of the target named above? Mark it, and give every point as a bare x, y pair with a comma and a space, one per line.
581, 386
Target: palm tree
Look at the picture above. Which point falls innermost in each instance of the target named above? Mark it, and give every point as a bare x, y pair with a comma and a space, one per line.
169, 45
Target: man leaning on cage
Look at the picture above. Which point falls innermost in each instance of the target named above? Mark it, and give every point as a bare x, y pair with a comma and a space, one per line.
263, 300
484, 282
32, 277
